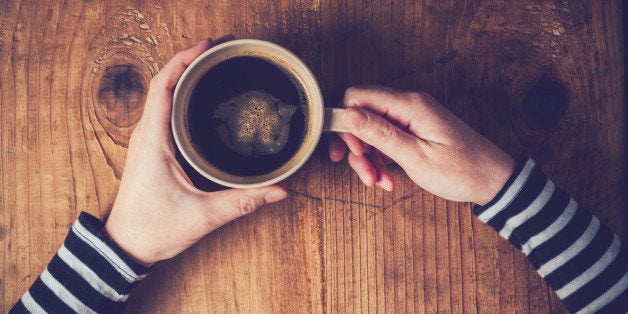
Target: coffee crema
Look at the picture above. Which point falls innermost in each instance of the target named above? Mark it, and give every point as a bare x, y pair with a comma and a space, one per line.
254, 123
247, 116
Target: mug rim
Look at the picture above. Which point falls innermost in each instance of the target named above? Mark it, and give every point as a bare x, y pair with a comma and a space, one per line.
264, 50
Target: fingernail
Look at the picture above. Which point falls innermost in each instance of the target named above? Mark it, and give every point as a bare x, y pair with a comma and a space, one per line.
336, 156
275, 196
355, 119
204, 41
367, 180
224, 39
385, 185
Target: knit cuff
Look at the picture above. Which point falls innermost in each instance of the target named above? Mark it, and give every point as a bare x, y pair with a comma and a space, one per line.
579, 257
88, 274
511, 188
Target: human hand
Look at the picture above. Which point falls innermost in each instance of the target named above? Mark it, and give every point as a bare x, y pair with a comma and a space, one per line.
438, 151
158, 213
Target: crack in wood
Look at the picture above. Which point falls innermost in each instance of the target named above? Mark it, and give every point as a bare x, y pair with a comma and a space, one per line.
333, 199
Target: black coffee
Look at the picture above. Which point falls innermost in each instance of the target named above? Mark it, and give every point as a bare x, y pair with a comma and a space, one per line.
229, 84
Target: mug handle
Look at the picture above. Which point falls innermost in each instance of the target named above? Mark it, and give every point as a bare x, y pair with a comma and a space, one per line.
333, 120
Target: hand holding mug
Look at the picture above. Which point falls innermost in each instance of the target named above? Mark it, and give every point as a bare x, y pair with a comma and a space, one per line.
438, 151
158, 212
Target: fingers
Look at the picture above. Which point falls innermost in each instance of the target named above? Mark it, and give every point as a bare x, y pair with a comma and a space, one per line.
223, 39
339, 142
159, 98
383, 101
230, 204
337, 148
363, 168
381, 134
168, 77
354, 144
371, 170
384, 179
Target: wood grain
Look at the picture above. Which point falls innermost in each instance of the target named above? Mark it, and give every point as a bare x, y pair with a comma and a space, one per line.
72, 85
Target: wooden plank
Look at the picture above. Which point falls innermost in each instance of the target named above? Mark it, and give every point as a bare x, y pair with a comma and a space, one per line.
334, 245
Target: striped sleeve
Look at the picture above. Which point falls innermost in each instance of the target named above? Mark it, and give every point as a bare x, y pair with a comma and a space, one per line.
89, 274
578, 256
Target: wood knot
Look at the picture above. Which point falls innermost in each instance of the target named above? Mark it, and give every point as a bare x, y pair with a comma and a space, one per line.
121, 93
545, 103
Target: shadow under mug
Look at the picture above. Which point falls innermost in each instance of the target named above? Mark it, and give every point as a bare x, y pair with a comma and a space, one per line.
319, 119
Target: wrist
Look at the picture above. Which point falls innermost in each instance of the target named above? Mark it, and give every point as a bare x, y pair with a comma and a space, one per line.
496, 175
125, 243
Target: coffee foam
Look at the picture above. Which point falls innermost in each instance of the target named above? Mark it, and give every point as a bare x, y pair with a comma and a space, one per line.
254, 123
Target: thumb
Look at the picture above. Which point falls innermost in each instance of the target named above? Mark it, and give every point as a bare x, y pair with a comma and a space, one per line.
381, 134
231, 204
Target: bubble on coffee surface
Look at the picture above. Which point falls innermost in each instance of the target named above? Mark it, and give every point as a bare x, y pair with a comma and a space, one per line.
254, 123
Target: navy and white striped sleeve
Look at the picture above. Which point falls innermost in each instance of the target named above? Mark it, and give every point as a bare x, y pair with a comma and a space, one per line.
578, 256
89, 274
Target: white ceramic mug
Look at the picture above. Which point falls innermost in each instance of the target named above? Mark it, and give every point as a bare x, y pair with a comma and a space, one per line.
319, 119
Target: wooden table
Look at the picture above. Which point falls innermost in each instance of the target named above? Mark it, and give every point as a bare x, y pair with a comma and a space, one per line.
542, 76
